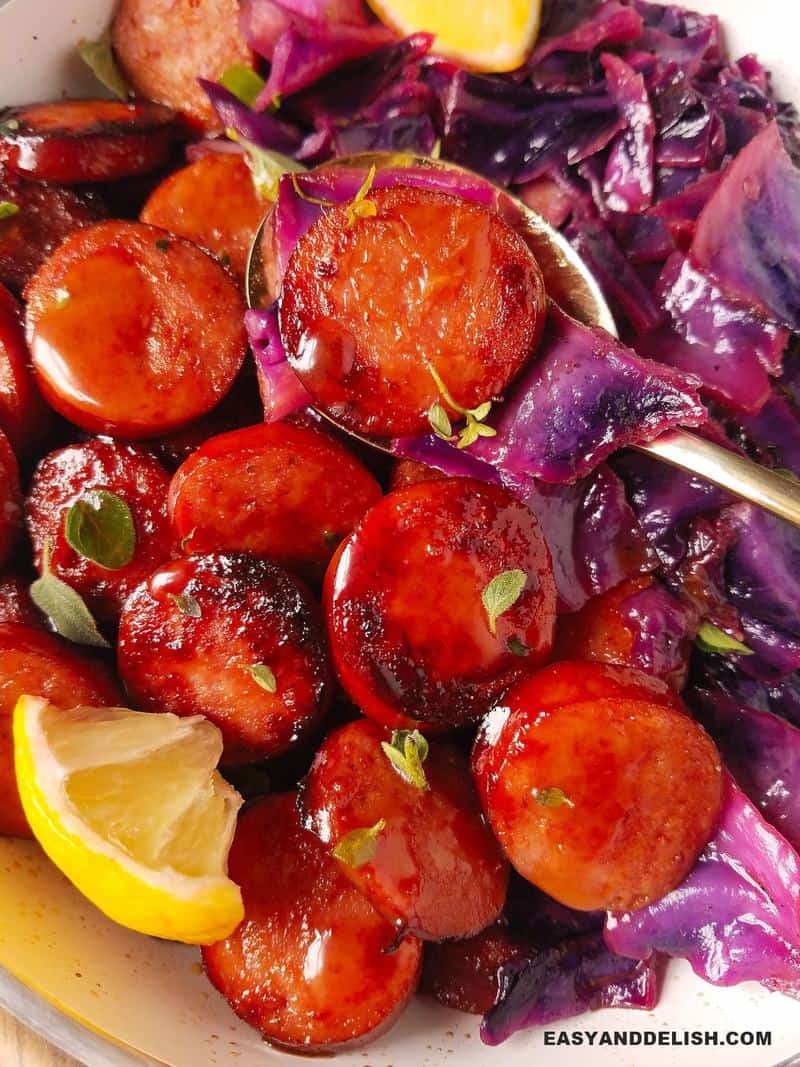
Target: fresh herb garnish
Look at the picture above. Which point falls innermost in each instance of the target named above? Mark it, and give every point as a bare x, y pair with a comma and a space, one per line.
99, 526
243, 82
360, 207
552, 797
517, 647
8, 209
711, 639
224, 260
440, 422
8, 126
99, 58
406, 752
162, 244
264, 676
65, 607
502, 593
359, 846
474, 426
266, 167
187, 605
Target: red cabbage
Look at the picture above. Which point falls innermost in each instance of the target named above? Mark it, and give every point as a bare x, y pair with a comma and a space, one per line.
722, 676
574, 30
258, 127
748, 235
629, 174
584, 396
664, 629
736, 917
773, 435
762, 751
777, 652
282, 392
764, 570
561, 982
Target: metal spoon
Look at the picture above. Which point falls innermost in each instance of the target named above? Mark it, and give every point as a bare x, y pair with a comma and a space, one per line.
570, 282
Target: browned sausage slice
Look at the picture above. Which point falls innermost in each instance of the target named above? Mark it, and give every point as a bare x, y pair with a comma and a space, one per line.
164, 46
24, 417
10, 498
312, 964
73, 141
437, 870
132, 331
231, 637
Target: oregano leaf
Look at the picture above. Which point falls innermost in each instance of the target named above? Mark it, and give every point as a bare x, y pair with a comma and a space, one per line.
99, 526
711, 639
406, 752
501, 594
264, 676
440, 421
552, 797
187, 605
359, 846
8, 209
245, 84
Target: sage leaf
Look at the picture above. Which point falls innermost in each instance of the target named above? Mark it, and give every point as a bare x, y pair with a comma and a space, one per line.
359, 846
99, 58
502, 593
65, 608
99, 526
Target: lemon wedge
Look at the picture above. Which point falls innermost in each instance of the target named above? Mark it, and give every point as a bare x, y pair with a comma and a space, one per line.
130, 806
485, 35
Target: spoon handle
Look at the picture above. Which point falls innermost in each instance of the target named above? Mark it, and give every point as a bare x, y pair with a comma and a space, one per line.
741, 477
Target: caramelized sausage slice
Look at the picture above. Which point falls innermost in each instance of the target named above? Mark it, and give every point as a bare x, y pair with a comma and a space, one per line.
164, 46
133, 332
290, 493
437, 870
79, 473
10, 499
212, 202
37, 663
554, 687
463, 974
604, 805
429, 283
24, 417
410, 632
15, 601
231, 637
598, 632
47, 215
73, 141
311, 965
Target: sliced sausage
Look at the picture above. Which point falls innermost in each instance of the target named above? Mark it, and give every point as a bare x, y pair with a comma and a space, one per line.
437, 870
557, 685
598, 631
463, 974
133, 332
410, 632
605, 804
37, 663
79, 473
15, 601
430, 282
410, 472
312, 965
231, 637
289, 493
10, 499
73, 141
24, 417
164, 46
214, 203
47, 215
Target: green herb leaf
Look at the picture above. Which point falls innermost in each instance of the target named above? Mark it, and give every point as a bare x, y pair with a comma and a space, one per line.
440, 422
65, 608
162, 244
99, 58
502, 593
9, 126
266, 167
407, 752
360, 207
187, 605
243, 82
469, 435
436, 151
99, 526
517, 647
552, 797
8, 209
481, 411
264, 676
359, 846
712, 639
224, 260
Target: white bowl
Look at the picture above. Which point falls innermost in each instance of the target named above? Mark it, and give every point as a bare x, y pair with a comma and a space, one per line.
113, 998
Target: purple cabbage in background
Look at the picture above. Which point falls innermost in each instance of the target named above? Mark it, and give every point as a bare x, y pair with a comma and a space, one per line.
630, 167
664, 628
583, 397
764, 570
773, 434
561, 982
736, 917
282, 392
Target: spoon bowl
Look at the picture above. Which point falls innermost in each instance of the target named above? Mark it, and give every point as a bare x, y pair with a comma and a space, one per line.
572, 285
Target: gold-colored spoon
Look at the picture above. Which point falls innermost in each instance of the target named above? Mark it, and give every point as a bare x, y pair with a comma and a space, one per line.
570, 282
